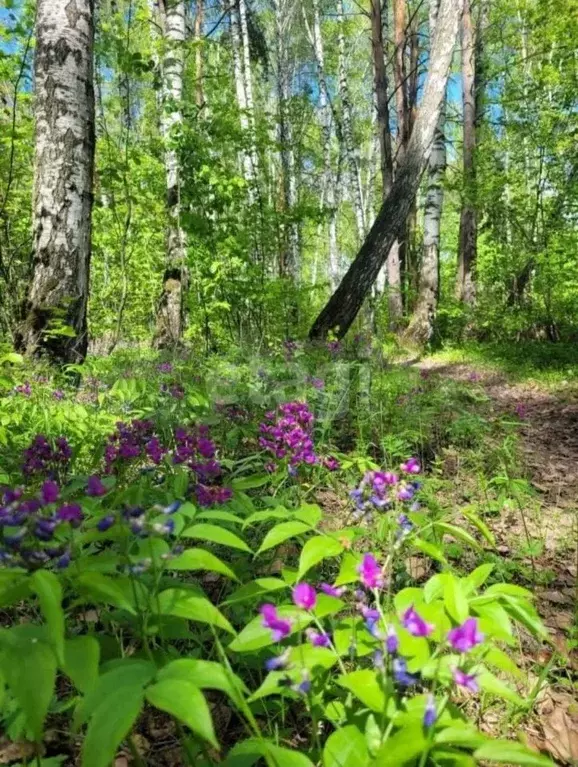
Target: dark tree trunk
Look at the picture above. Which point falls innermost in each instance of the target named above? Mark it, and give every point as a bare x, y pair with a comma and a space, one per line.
380, 82
64, 161
345, 303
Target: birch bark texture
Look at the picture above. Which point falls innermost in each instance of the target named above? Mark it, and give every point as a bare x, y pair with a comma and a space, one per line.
345, 303
170, 312
467, 253
421, 327
63, 173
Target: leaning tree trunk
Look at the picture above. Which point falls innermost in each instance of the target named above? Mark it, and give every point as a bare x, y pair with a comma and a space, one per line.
467, 253
421, 327
64, 160
347, 122
345, 303
169, 320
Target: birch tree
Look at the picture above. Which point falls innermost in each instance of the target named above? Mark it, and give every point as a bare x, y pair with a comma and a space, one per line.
467, 252
55, 308
347, 125
172, 22
345, 303
421, 326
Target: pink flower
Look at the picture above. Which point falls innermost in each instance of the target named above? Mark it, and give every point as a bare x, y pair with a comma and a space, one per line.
411, 466
94, 486
370, 572
415, 624
332, 591
468, 681
463, 638
304, 596
280, 627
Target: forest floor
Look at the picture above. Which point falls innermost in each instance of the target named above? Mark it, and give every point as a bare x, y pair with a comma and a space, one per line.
541, 534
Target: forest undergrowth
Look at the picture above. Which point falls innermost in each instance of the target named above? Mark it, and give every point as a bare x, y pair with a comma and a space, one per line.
308, 557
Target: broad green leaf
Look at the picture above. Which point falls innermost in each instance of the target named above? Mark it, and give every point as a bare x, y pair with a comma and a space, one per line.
502, 661
407, 744
206, 674
491, 684
526, 614
511, 752
28, 665
214, 534
346, 747
364, 685
348, 572
256, 589
248, 483
494, 621
81, 656
316, 550
310, 513
510, 590
128, 678
255, 636
103, 589
218, 515
461, 735
248, 752
49, 592
109, 725
433, 551
266, 515
457, 532
184, 604
481, 526
282, 532
455, 600
183, 700
199, 559
477, 578
14, 590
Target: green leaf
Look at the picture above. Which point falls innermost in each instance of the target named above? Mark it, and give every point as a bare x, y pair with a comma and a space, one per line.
220, 516
348, 570
404, 746
310, 513
525, 614
109, 725
500, 660
206, 674
491, 684
281, 533
511, 752
81, 656
365, 686
316, 550
49, 592
248, 483
194, 607
256, 589
128, 677
455, 600
29, 667
255, 636
199, 559
430, 549
508, 589
266, 515
477, 578
214, 534
248, 752
481, 526
461, 735
103, 589
183, 700
457, 532
345, 747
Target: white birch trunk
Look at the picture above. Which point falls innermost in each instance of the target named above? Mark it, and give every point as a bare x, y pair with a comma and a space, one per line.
248, 82
63, 173
347, 120
172, 21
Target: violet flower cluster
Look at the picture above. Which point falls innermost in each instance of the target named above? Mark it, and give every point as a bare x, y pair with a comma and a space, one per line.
47, 458
387, 657
379, 490
35, 530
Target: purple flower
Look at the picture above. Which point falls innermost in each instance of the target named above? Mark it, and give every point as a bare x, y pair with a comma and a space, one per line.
521, 411
278, 662
331, 463
405, 493
382, 478
332, 591
94, 486
106, 523
304, 596
318, 639
401, 674
415, 624
58, 394
371, 618
280, 627
370, 572
165, 367
405, 524
63, 561
468, 681
49, 491
465, 637
392, 641
430, 715
378, 660
411, 466
317, 383
70, 512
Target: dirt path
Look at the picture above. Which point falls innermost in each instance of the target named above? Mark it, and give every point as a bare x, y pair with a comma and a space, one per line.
549, 447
